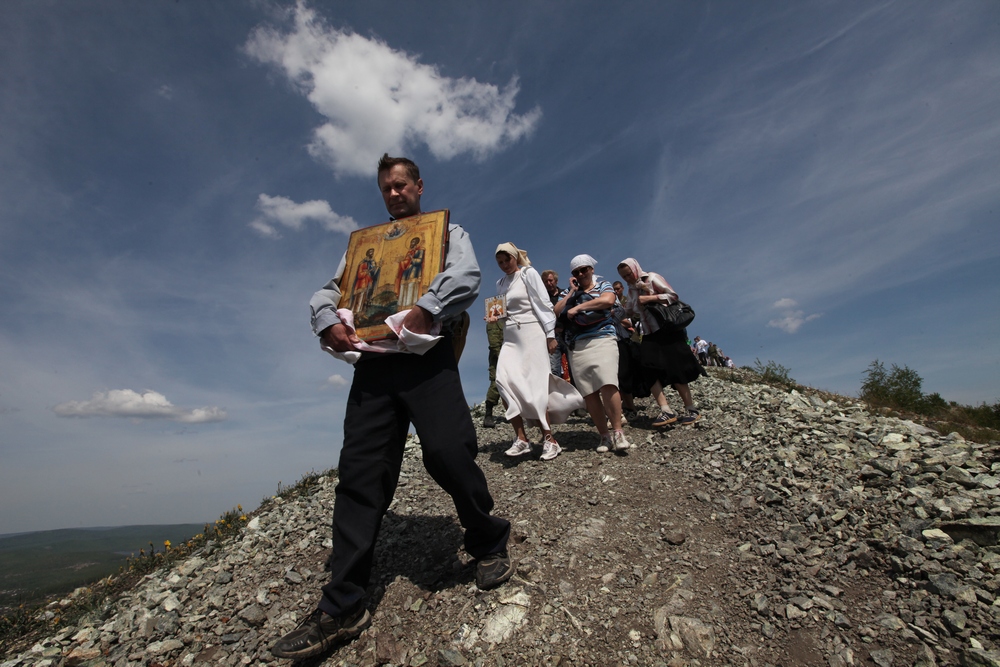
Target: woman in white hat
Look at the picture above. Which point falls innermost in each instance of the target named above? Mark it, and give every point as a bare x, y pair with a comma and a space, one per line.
528, 389
585, 309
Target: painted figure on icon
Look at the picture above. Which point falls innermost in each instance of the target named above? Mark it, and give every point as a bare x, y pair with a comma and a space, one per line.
365, 282
411, 270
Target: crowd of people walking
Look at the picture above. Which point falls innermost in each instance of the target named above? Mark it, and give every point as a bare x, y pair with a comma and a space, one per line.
594, 344
709, 354
552, 352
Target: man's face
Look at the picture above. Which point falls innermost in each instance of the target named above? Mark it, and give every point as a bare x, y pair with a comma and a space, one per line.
400, 193
551, 282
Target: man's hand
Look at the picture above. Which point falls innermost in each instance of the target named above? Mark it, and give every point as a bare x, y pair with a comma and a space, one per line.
418, 320
339, 338
552, 345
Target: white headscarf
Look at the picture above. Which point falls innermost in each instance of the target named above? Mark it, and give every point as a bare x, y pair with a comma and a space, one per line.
582, 260
520, 256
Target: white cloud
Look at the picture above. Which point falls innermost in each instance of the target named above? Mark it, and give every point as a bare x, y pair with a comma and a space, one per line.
165, 91
791, 319
132, 404
285, 212
378, 99
337, 381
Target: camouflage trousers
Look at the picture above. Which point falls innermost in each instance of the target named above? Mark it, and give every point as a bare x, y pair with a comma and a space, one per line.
492, 394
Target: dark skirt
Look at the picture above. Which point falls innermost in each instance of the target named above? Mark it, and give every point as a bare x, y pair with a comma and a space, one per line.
630, 376
665, 356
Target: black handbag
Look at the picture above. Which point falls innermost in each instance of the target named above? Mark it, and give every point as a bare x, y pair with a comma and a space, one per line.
675, 317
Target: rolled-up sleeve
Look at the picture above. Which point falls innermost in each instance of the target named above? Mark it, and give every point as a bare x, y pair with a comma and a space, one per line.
323, 304
455, 288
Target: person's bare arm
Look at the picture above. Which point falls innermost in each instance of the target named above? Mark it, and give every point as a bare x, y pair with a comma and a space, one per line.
604, 302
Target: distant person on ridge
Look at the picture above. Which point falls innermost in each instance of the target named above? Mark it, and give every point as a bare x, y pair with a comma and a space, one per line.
701, 347
389, 392
715, 354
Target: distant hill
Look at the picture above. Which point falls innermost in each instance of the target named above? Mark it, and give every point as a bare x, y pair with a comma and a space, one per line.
53, 562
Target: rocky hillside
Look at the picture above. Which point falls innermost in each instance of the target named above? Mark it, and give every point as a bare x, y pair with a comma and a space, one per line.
783, 529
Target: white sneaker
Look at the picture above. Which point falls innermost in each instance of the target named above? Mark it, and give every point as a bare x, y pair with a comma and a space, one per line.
519, 448
550, 449
621, 444
606, 443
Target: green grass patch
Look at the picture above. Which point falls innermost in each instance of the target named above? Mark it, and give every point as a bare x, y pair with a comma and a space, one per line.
898, 390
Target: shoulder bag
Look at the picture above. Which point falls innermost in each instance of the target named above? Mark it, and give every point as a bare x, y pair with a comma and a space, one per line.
674, 317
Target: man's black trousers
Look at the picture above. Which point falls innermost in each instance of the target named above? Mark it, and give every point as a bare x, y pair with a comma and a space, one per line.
389, 392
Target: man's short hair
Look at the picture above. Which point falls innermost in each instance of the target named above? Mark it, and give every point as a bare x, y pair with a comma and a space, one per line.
550, 272
386, 163
618, 283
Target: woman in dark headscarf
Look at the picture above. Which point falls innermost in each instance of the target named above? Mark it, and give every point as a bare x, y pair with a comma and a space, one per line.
664, 355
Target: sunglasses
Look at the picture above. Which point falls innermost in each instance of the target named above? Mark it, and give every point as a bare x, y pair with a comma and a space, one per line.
581, 270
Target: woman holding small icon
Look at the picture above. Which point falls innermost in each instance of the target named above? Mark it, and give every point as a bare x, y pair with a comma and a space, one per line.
526, 387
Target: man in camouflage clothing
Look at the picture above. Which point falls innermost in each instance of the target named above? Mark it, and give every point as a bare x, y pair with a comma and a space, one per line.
494, 334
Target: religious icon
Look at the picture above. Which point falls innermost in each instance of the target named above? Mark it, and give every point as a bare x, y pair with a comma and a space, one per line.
496, 307
411, 250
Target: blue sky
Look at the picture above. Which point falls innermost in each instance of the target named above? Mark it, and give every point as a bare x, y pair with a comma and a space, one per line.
819, 180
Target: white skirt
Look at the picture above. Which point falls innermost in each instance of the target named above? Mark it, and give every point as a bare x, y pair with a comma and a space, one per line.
526, 386
594, 363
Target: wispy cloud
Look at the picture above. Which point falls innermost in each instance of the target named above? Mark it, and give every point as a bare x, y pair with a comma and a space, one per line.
133, 405
378, 99
791, 318
852, 177
337, 381
285, 212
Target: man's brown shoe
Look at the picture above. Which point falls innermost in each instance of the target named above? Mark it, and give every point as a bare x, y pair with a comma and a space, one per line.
319, 632
493, 570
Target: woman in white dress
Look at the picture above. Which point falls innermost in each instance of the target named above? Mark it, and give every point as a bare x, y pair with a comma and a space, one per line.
526, 386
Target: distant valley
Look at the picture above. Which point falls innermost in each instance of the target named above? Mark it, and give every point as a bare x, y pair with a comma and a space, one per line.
52, 562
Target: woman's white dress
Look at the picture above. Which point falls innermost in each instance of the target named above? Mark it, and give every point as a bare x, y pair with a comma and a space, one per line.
526, 386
